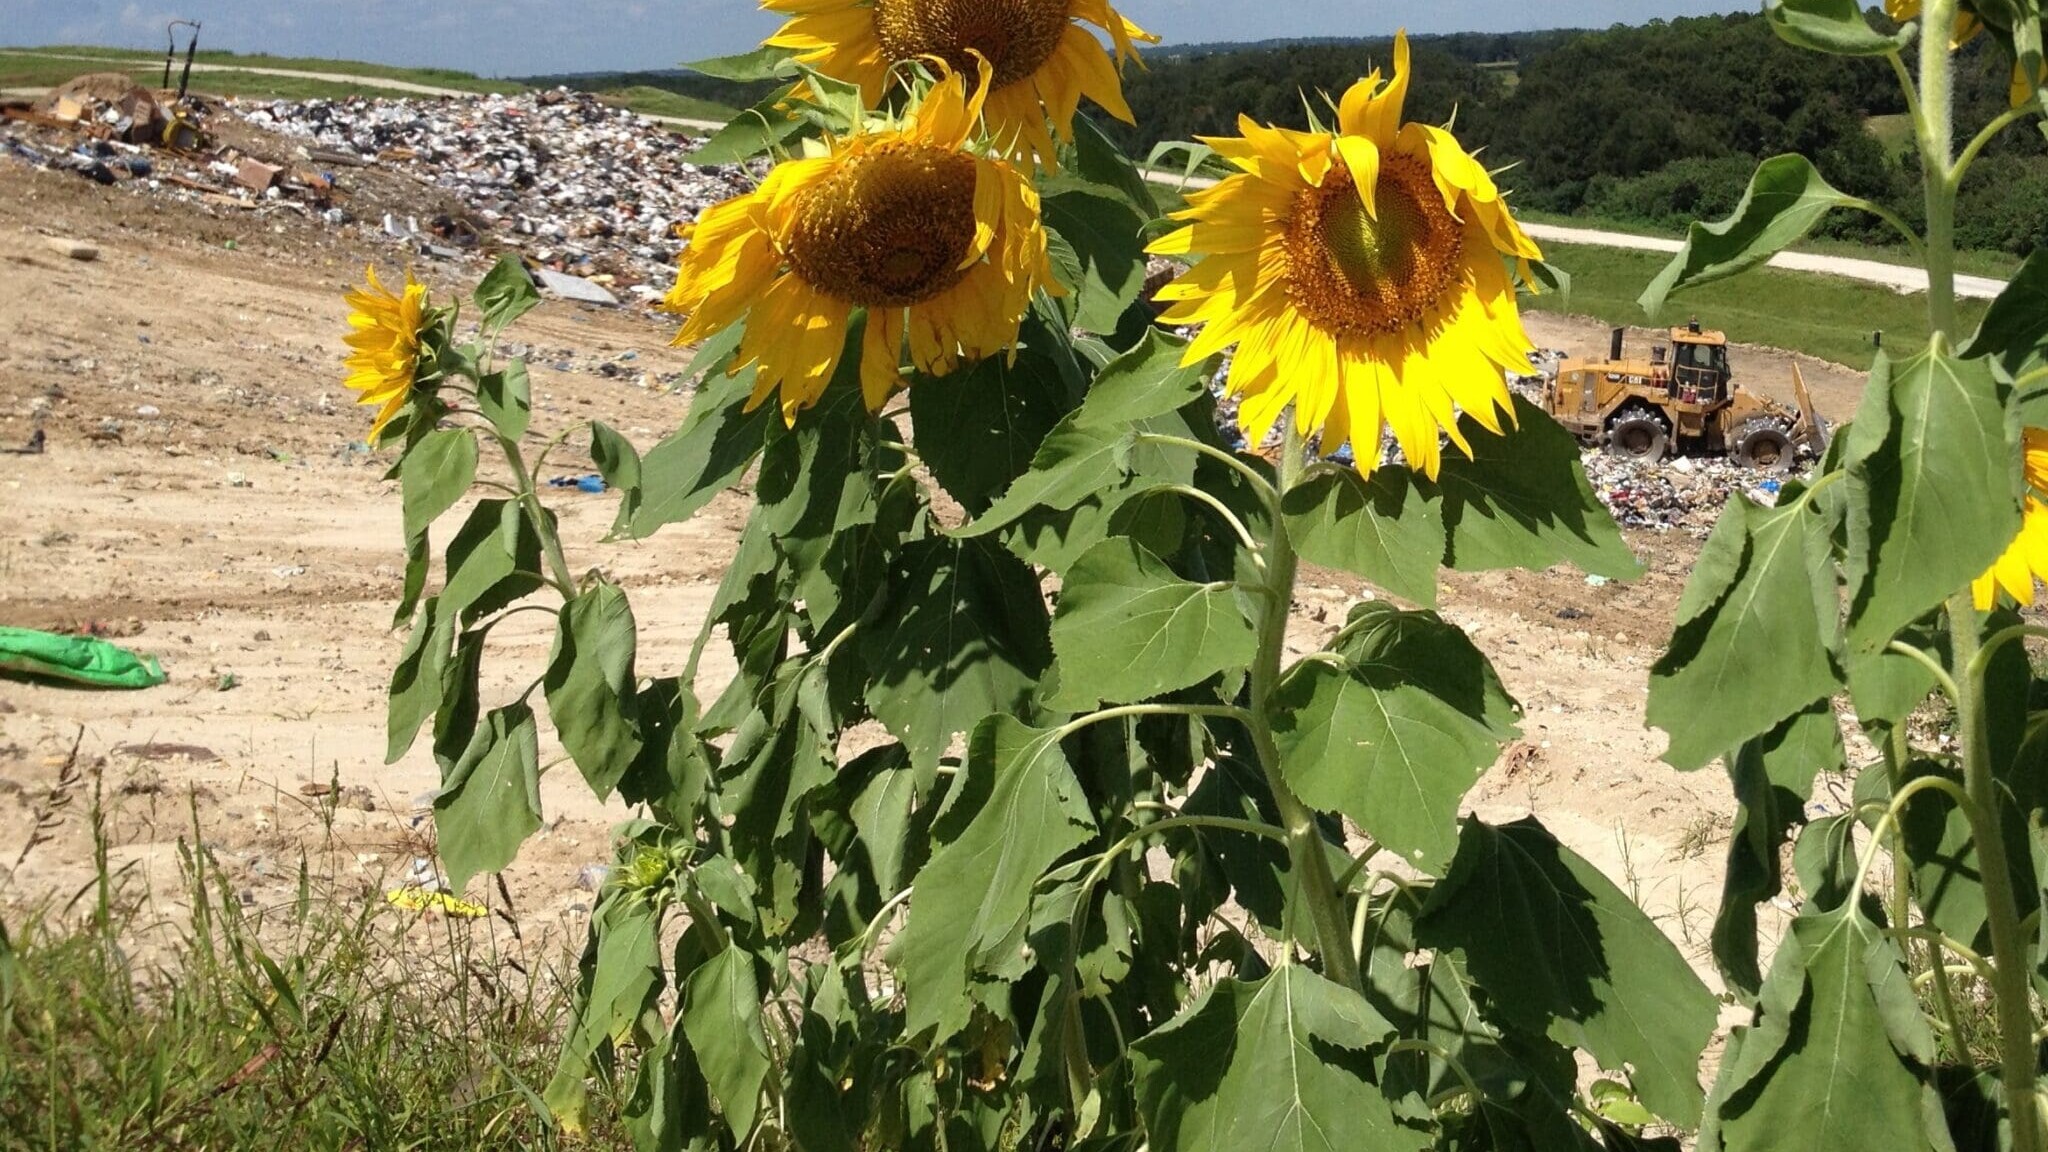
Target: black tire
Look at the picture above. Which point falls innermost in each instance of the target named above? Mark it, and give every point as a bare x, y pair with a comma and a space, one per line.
1638, 436
1763, 444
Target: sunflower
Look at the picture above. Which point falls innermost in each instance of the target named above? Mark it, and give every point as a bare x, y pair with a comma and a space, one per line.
935, 242
386, 339
1362, 275
2026, 560
1044, 61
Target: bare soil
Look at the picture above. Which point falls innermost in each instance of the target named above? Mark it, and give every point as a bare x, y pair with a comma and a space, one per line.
205, 497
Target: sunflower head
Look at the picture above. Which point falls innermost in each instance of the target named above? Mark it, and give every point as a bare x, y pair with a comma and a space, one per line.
386, 330
1042, 57
2026, 560
935, 243
1363, 274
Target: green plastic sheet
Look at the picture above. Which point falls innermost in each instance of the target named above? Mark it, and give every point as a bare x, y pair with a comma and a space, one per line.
78, 659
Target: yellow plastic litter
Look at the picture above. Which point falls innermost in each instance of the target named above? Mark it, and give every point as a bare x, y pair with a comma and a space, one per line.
421, 900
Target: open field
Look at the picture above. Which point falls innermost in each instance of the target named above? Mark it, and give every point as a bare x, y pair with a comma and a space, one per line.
433, 77
1818, 316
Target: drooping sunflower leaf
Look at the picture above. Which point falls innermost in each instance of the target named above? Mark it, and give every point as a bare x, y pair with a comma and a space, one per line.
491, 802
1128, 629
621, 977
1280, 1065
961, 636
781, 755
435, 474
591, 688
1837, 27
1786, 198
2015, 328
1523, 501
1426, 650
416, 680
1365, 740
505, 397
1560, 951
1936, 485
1833, 1061
1383, 529
978, 429
1017, 810
719, 439
1773, 776
770, 63
505, 294
1756, 631
493, 561
1104, 234
722, 1017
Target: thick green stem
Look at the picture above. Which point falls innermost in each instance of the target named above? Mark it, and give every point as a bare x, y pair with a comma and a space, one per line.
2010, 953
1936, 128
551, 543
1308, 854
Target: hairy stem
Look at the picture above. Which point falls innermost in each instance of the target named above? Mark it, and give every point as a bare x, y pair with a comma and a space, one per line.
1309, 855
1936, 127
529, 499
2009, 947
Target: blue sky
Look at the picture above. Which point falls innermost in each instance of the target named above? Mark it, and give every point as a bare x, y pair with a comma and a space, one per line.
524, 37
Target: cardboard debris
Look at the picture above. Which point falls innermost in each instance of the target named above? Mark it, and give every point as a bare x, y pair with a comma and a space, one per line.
257, 176
75, 249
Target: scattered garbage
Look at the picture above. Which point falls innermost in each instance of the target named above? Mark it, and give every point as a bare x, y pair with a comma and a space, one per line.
591, 877
77, 250
157, 751
75, 659
590, 193
593, 484
435, 900
37, 442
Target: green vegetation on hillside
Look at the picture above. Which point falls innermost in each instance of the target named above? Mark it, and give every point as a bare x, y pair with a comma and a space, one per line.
1821, 316
651, 101
1655, 125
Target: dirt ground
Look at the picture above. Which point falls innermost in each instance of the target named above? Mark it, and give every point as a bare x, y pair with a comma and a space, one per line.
205, 499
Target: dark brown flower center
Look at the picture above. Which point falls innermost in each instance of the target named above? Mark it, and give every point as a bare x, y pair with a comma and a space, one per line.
1016, 36
887, 229
1354, 275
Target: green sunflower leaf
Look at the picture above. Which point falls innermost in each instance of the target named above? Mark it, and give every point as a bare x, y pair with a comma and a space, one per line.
961, 636
1773, 777
1786, 198
1383, 529
721, 1016
1560, 951
1365, 740
505, 294
1936, 495
1017, 809
719, 439
415, 692
2015, 329
1129, 629
506, 399
435, 474
1833, 1060
591, 688
1756, 631
491, 802
978, 429
1106, 239
1523, 501
1837, 27
1280, 1065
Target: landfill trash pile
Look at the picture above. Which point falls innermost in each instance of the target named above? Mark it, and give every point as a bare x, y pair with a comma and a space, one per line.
579, 186
591, 194
1685, 494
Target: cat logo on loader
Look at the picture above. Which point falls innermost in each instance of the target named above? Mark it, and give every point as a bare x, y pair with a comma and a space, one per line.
1682, 401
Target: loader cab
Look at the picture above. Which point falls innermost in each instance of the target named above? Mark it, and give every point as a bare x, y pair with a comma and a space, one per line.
1699, 366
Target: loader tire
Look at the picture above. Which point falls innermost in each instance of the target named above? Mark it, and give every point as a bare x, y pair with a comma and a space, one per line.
1763, 444
1638, 436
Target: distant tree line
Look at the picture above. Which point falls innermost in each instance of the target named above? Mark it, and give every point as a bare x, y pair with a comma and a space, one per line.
1656, 124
